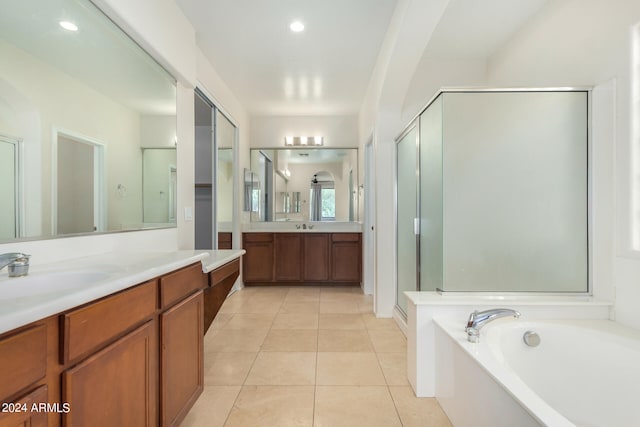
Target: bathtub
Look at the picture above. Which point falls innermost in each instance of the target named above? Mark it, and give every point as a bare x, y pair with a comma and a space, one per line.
583, 373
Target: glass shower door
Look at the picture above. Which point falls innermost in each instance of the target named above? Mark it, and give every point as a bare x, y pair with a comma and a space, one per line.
406, 215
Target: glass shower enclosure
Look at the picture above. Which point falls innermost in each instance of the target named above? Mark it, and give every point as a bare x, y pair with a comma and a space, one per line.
502, 183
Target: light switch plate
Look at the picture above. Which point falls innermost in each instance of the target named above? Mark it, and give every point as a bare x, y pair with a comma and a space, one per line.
188, 213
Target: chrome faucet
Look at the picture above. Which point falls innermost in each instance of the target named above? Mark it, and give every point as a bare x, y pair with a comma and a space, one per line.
478, 319
17, 263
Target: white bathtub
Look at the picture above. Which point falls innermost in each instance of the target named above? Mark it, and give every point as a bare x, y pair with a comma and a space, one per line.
583, 373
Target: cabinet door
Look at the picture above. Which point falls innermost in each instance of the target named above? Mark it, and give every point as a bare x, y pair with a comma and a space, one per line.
316, 257
288, 249
117, 385
224, 240
27, 417
346, 261
257, 263
181, 359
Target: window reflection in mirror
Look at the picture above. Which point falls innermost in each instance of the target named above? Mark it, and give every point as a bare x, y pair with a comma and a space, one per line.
323, 197
291, 199
96, 83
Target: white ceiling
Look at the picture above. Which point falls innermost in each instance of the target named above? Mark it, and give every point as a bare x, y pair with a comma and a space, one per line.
98, 54
324, 70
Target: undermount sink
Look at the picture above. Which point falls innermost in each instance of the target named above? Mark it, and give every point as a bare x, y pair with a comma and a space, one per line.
49, 282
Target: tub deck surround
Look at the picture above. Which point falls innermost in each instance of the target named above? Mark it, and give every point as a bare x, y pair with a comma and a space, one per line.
423, 307
53, 288
583, 373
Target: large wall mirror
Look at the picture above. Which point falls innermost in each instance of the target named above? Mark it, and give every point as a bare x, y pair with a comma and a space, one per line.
81, 105
303, 184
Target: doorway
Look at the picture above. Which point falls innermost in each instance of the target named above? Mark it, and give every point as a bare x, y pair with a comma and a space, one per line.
215, 176
369, 220
78, 199
10, 194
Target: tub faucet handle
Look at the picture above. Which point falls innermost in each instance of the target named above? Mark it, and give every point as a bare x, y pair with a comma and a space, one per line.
477, 319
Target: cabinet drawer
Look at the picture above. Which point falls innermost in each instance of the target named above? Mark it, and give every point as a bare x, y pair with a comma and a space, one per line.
345, 237
87, 328
221, 273
179, 284
258, 237
23, 360
28, 417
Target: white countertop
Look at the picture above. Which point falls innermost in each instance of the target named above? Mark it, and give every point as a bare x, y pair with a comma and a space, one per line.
53, 288
311, 227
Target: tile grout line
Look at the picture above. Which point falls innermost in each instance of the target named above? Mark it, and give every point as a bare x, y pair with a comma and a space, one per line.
241, 386
315, 385
395, 406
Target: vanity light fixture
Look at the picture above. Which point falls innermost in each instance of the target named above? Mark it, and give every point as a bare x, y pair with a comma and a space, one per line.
296, 26
68, 25
304, 141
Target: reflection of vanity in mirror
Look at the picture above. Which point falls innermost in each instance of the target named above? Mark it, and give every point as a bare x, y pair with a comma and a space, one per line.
87, 125
304, 229
303, 185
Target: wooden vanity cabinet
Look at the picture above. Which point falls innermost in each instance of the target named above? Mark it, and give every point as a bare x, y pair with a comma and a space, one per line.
133, 358
181, 342
299, 258
225, 240
117, 385
110, 353
221, 281
23, 360
23, 367
181, 358
26, 418
315, 257
257, 262
287, 248
346, 257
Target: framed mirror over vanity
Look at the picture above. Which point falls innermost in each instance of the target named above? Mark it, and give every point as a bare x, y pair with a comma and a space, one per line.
303, 205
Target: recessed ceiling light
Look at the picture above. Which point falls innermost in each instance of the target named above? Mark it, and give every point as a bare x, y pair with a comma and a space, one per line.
296, 26
67, 25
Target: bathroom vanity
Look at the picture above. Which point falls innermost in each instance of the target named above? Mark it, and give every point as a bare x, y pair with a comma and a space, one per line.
309, 257
131, 356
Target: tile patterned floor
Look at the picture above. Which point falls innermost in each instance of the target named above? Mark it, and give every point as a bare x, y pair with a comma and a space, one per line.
307, 356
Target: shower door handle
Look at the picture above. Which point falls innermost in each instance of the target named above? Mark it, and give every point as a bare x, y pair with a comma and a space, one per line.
416, 226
